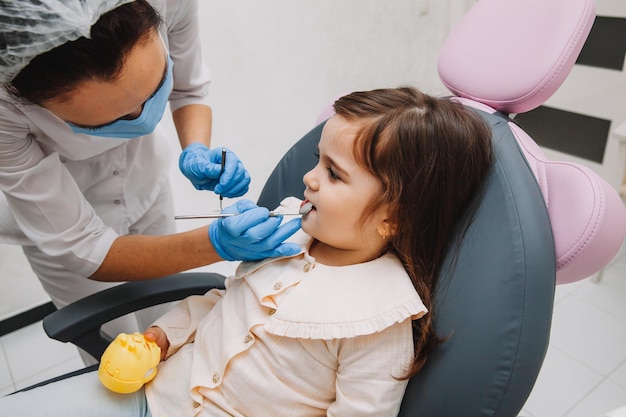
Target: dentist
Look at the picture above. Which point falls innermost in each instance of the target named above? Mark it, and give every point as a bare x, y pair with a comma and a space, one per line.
83, 160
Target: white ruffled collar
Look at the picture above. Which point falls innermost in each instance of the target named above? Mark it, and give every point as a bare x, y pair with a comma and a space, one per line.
330, 302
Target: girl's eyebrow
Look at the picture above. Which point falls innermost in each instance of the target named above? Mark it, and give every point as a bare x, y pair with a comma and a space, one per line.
337, 167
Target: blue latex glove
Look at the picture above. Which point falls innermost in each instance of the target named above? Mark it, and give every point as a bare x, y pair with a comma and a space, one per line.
203, 167
252, 235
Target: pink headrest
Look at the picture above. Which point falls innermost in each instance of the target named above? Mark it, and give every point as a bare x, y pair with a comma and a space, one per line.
586, 214
521, 51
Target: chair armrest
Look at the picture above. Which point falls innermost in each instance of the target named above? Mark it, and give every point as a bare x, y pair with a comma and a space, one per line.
80, 322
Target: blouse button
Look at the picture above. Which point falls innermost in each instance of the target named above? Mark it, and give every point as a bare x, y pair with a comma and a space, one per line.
278, 286
196, 404
307, 267
216, 378
117, 201
272, 311
116, 172
247, 339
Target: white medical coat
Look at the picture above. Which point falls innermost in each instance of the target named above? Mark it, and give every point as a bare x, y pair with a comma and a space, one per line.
71, 195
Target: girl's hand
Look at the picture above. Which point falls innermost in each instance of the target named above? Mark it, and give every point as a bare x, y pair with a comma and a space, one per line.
156, 335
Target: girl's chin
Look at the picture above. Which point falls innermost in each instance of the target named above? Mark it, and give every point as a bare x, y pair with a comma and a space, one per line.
306, 225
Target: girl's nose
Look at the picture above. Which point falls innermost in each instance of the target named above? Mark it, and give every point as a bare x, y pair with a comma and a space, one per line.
310, 180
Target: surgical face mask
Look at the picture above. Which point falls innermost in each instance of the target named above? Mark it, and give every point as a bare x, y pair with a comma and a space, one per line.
147, 121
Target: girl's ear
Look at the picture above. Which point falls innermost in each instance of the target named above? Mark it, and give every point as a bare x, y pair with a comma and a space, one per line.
386, 228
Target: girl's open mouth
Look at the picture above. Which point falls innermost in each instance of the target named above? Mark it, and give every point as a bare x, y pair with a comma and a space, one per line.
305, 207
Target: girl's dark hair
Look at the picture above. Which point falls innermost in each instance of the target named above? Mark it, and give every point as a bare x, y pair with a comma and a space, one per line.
52, 74
431, 156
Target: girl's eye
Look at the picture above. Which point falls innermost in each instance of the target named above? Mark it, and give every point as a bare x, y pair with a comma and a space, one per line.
332, 174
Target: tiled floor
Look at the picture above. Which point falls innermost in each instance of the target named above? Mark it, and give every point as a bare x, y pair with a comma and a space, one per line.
584, 374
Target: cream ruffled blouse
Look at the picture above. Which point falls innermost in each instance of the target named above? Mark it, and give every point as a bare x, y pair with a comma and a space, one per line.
292, 322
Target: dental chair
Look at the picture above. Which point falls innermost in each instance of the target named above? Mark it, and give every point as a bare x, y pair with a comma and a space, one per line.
538, 224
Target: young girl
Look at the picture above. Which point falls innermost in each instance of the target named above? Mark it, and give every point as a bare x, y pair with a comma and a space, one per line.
338, 329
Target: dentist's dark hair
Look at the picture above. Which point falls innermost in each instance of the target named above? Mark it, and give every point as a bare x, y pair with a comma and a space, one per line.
54, 73
431, 156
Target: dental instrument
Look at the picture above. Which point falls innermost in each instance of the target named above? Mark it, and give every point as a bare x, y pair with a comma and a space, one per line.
305, 209
221, 215
221, 172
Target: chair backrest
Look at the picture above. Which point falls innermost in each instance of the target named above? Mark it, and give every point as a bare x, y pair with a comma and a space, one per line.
496, 298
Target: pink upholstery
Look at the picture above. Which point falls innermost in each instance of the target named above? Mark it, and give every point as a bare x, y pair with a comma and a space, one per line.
587, 215
520, 51
521, 54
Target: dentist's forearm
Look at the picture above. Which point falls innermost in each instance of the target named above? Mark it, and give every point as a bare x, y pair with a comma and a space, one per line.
193, 124
141, 257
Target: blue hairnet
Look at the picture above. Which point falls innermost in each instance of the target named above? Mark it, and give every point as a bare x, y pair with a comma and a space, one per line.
31, 27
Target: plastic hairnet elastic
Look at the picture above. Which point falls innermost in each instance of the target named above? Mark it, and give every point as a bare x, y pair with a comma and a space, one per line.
31, 27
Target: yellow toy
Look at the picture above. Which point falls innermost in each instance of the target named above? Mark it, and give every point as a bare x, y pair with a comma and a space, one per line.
128, 362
